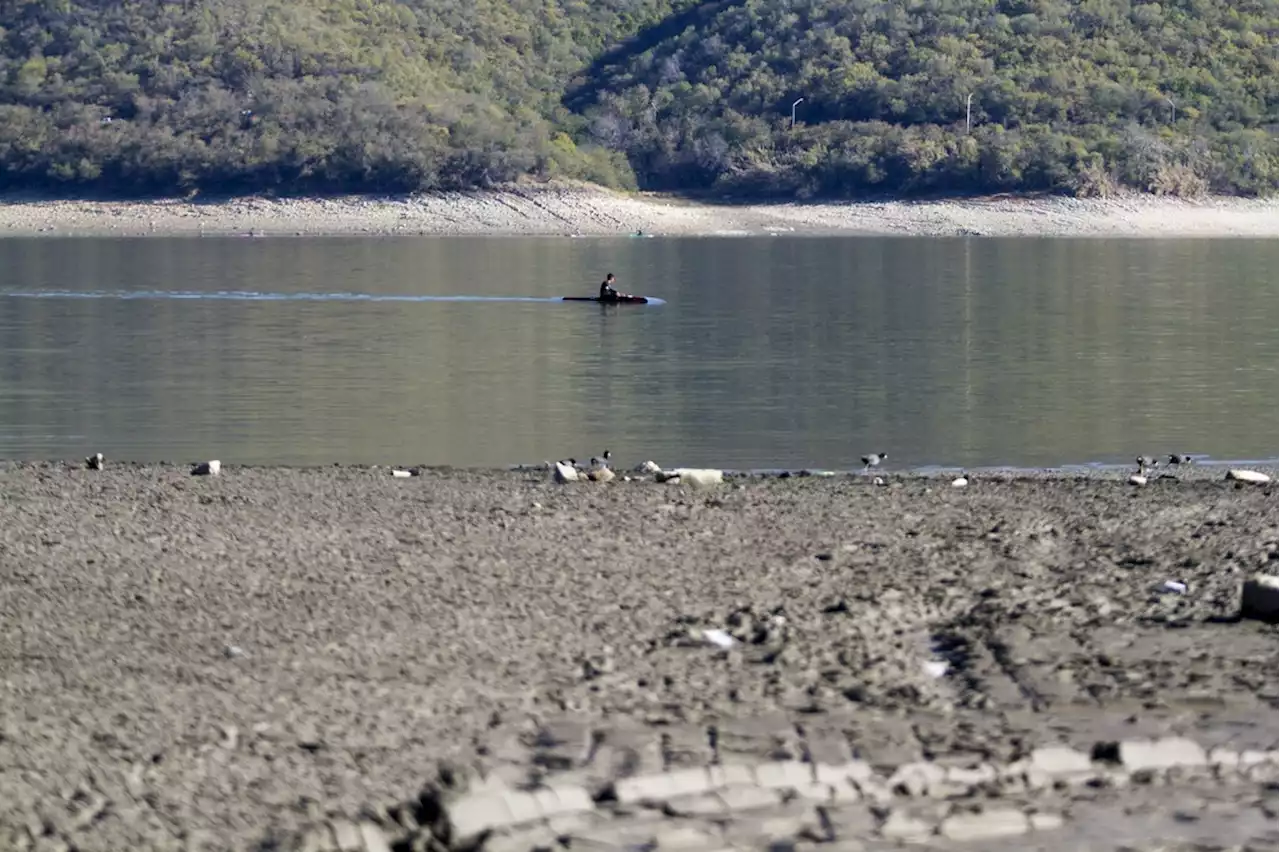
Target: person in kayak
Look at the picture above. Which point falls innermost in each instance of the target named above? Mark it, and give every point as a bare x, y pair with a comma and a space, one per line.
607, 293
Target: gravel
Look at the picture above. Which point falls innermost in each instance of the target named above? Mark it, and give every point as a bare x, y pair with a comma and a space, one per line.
212, 662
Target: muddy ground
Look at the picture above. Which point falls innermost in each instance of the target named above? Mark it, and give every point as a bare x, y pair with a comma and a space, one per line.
218, 662
559, 209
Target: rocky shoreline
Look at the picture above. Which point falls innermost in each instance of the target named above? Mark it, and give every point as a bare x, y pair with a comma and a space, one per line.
567, 211
339, 658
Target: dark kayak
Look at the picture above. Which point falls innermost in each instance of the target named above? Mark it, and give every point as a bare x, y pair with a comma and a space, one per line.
620, 299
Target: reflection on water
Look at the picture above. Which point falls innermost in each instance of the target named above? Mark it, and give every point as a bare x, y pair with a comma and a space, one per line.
767, 352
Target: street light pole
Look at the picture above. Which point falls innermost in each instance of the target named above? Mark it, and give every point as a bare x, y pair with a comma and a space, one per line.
968, 113
793, 112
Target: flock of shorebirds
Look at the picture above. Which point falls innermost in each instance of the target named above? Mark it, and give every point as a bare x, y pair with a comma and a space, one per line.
600, 470
209, 468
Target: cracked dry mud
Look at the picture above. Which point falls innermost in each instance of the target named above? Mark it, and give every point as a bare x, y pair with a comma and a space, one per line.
280, 659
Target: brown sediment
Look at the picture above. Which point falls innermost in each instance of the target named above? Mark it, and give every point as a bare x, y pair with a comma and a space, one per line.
213, 662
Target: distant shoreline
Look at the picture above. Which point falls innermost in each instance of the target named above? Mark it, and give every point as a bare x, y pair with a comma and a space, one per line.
568, 211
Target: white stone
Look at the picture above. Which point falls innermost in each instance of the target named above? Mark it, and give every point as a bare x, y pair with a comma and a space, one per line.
903, 826
918, 778
1224, 758
401, 474
1164, 753
698, 477
719, 638
209, 468
1060, 760
854, 770
1004, 822
935, 668
1046, 822
1240, 475
783, 774
731, 775
663, 786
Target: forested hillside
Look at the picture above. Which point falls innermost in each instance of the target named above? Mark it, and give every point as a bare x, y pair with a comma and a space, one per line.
152, 97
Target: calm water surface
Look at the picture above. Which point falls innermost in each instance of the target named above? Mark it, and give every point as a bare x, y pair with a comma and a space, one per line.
767, 352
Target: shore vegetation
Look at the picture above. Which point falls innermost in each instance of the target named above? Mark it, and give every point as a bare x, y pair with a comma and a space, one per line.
758, 98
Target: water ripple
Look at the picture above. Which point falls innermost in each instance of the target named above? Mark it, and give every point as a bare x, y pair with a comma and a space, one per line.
255, 296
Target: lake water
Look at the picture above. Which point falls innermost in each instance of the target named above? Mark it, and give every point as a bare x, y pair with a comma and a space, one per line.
767, 352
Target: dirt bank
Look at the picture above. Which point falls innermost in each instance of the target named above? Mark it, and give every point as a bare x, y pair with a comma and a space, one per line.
586, 211
220, 662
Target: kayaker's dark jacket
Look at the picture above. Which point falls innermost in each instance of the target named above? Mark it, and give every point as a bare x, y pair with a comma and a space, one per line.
606, 291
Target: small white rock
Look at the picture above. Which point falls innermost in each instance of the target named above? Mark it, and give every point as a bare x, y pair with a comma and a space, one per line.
601, 474
1241, 475
936, 668
1137, 479
719, 638
209, 468
565, 472
960, 482
647, 467
401, 474
1173, 586
699, 477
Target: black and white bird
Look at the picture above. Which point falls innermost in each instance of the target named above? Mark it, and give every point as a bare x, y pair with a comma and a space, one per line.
873, 460
1145, 463
94, 462
1180, 458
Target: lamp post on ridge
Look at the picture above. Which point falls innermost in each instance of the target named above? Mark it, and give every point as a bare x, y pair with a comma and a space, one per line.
793, 112
968, 112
